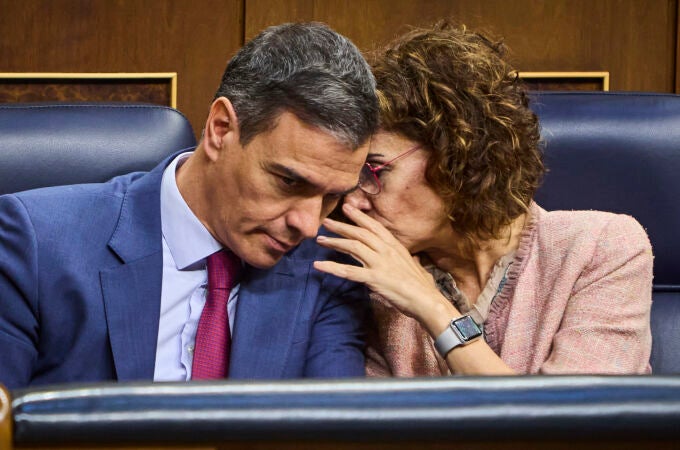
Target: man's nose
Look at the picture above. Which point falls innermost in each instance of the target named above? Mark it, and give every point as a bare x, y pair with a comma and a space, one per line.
306, 217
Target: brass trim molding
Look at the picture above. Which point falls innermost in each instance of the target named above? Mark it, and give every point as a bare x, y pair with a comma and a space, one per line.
171, 77
602, 76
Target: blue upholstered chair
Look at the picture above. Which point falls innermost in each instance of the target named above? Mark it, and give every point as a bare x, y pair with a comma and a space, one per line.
610, 151
584, 412
620, 152
52, 144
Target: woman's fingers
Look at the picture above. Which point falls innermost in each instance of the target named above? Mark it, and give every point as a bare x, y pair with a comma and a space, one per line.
353, 273
366, 230
387, 266
365, 221
353, 232
353, 248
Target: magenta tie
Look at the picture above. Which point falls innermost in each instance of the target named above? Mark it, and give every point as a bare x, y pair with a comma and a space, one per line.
213, 338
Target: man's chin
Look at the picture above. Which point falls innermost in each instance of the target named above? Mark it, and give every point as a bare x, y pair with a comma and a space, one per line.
264, 252
266, 262
264, 257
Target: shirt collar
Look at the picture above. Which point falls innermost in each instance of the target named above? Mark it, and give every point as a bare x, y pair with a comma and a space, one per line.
188, 240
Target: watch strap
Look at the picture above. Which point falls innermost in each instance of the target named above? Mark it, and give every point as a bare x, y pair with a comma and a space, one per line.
447, 341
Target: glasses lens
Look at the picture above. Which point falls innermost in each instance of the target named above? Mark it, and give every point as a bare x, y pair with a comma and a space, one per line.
368, 181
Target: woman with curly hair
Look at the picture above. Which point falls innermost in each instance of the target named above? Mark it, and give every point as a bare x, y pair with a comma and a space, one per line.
468, 274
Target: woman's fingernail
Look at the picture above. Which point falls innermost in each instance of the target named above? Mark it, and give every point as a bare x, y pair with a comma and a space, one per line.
321, 238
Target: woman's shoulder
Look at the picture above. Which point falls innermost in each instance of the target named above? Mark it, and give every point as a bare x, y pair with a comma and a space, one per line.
589, 240
579, 227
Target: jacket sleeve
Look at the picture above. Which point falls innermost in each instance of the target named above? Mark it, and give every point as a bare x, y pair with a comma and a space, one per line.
606, 325
336, 346
19, 329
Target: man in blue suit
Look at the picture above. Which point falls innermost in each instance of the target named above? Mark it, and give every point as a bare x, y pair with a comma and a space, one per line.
108, 281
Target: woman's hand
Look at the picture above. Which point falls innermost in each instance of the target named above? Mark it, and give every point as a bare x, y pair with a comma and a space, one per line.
391, 271
387, 267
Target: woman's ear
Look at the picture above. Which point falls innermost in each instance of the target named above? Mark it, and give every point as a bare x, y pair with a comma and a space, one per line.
221, 127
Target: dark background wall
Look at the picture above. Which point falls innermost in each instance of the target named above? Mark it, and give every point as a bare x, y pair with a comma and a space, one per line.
636, 41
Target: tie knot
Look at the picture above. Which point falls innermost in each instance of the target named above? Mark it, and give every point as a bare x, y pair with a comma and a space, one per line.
224, 268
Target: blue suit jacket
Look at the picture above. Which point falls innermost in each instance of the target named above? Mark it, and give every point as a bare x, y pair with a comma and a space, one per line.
80, 289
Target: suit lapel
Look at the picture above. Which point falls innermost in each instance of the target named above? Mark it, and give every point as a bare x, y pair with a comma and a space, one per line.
132, 290
132, 302
267, 314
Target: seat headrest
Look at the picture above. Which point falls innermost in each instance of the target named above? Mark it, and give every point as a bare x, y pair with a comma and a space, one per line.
57, 143
620, 152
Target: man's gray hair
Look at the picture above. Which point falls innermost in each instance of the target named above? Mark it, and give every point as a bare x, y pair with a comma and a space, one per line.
306, 69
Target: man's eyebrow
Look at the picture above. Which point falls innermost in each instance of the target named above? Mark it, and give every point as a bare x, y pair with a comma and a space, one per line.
291, 173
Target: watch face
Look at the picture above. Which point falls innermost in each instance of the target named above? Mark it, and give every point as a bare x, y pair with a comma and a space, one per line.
467, 327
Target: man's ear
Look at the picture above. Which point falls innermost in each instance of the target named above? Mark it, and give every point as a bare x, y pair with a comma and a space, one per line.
221, 127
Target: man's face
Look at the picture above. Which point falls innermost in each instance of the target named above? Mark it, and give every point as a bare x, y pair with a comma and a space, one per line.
266, 197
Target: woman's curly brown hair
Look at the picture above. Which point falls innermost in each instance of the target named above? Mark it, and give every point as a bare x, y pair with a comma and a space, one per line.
452, 90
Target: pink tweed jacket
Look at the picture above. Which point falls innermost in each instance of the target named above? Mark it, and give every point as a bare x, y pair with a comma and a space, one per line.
577, 300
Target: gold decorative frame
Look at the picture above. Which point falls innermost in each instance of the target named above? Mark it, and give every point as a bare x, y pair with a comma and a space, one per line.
166, 78
568, 79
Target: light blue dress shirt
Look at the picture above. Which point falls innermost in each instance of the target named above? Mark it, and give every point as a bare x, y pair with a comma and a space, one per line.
186, 245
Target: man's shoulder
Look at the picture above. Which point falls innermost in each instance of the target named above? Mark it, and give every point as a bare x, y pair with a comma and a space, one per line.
115, 187
75, 207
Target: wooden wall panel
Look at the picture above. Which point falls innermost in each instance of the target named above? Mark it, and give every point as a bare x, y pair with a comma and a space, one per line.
677, 50
635, 40
193, 38
5, 419
63, 89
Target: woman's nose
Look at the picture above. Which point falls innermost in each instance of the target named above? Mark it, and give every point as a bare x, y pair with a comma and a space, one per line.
359, 199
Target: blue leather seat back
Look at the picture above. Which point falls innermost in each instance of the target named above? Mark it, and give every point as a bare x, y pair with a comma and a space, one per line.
620, 152
532, 412
59, 143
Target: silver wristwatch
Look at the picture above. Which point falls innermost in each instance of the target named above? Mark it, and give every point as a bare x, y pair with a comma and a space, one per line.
461, 331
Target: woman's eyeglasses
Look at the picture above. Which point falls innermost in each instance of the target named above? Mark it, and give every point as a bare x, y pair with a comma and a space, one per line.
369, 181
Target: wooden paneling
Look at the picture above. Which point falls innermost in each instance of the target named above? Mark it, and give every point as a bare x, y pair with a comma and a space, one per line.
632, 39
677, 50
566, 81
193, 38
121, 91
34, 87
5, 419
